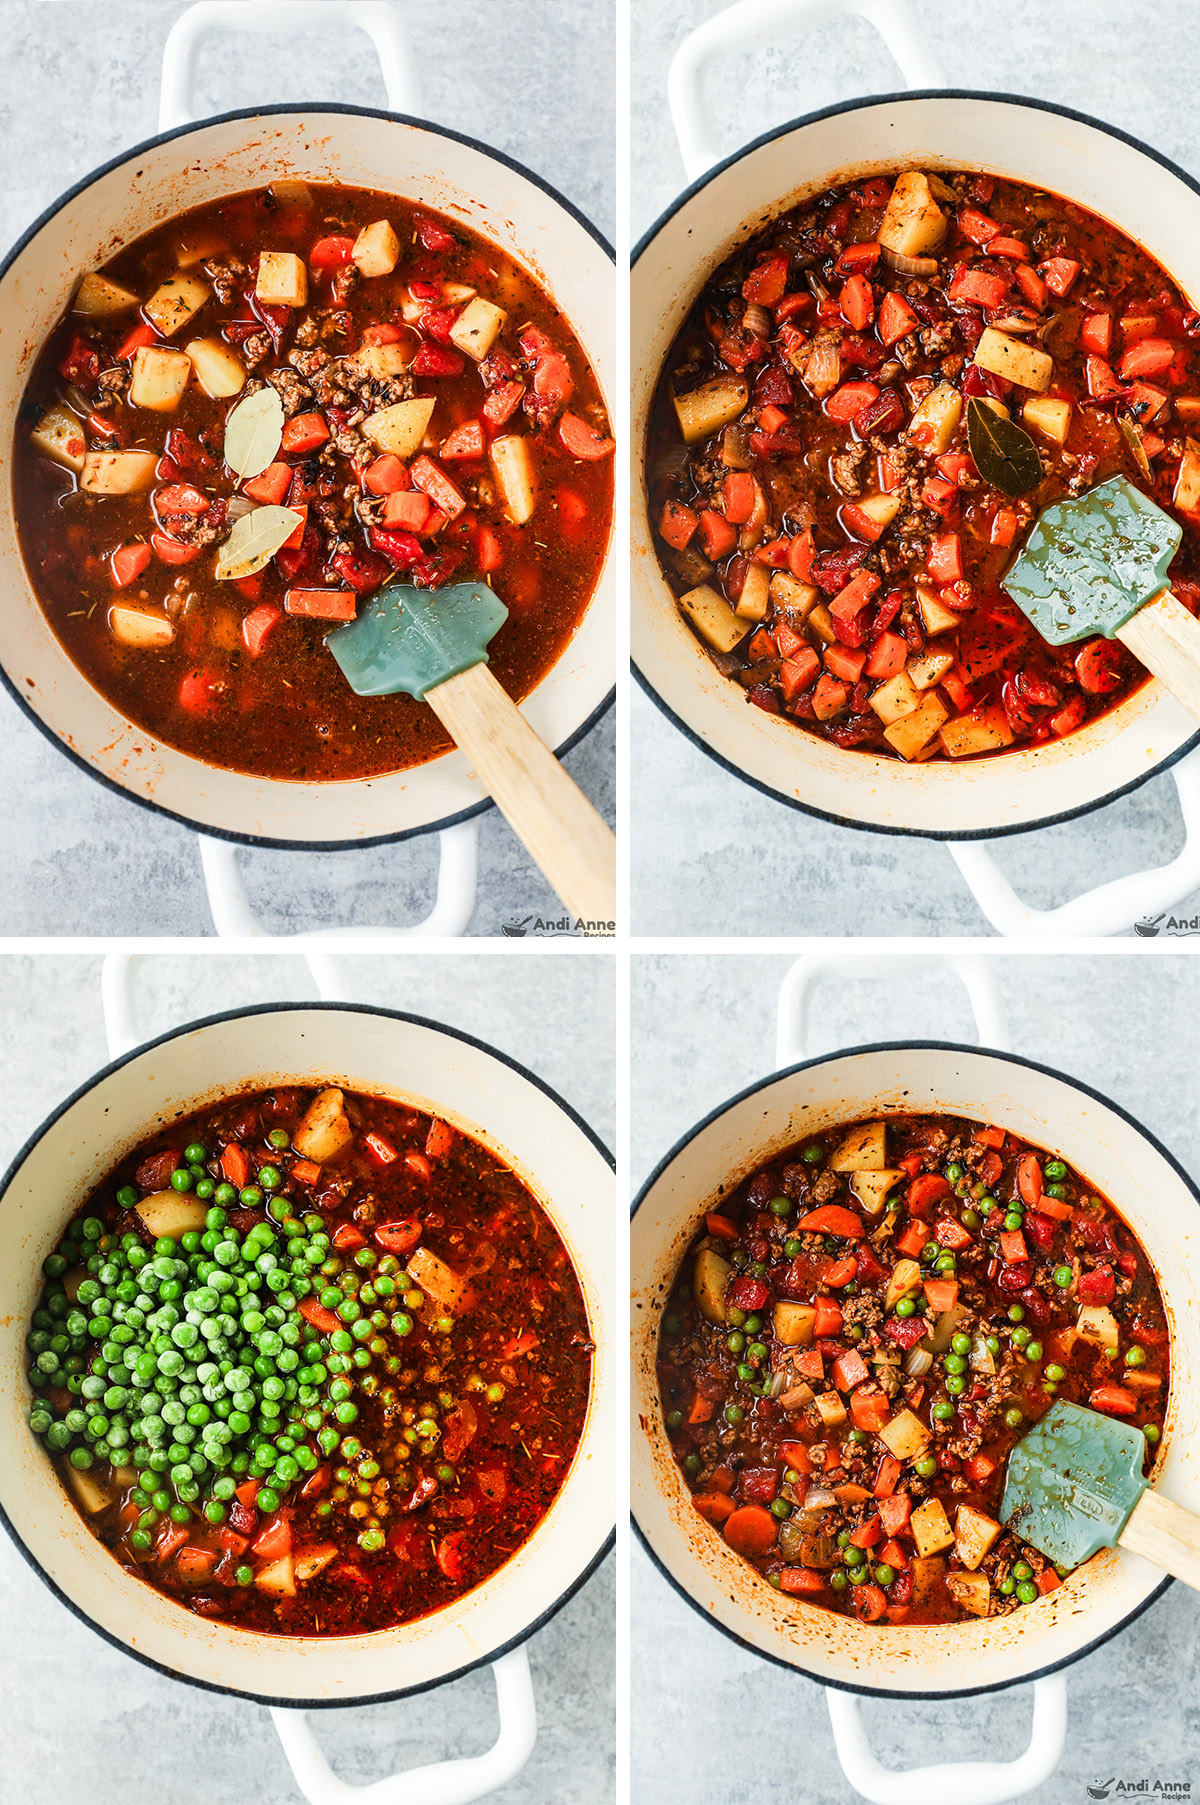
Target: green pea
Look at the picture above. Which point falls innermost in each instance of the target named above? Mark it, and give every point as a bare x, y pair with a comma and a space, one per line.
1054, 1168
813, 1153
854, 1557
905, 1307
1022, 1570
1007, 1587
780, 1507
1063, 1277
1013, 1221
1016, 1312
955, 1363
250, 1197
955, 1384
753, 1324
947, 1263
746, 1372
128, 1198
735, 1342
942, 1412
1058, 1191
1055, 1373
884, 1575
1020, 1337
692, 1462
270, 1178
791, 1247
780, 1206
1135, 1356
1033, 1351
930, 1251
971, 1218
927, 1466
1027, 1592
1151, 1433
734, 1413
1014, 1417
181, 1179
954, 1172
838, 1581
961, 1343
279, 1138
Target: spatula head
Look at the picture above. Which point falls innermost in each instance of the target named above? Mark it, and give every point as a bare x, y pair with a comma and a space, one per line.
1090, 563
410, 640
1072, 1482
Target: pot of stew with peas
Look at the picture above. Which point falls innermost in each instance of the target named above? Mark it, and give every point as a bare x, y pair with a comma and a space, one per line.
312, 1365
856, 1288
864, 384
291, 361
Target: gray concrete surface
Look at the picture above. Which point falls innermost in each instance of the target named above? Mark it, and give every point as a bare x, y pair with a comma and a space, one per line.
84, 1721
711, 855
79, 83
725, 1724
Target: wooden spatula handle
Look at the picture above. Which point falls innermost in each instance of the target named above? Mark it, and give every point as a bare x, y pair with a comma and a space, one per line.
1166, 637
573, 846
1167, 1535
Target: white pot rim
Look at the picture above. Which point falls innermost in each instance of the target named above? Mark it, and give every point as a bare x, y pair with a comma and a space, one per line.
80, 187
742, 1096
681, 200
527, 1629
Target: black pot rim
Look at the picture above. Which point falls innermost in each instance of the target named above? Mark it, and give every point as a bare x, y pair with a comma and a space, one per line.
265, 1698
272, 841
751, 1090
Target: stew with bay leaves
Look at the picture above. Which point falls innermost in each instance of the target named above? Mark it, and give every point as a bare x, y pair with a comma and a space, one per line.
264, 409
311, 1362
868, 406
862, 1330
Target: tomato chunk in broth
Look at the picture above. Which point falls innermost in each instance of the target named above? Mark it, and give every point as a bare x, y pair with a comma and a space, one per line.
862, 1331
831, 506
438, 422
311, 1363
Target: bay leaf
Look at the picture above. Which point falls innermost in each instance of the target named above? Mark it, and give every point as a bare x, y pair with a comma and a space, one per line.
254, 432
255, 539
1133, 438
1004, 453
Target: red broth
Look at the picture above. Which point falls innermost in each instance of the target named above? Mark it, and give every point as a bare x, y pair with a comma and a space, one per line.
835, 545
862, 1331
339, 1399
235, 671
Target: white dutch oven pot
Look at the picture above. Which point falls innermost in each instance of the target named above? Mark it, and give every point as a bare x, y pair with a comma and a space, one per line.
1093, 164
184, 167
806, 1095
519, 1119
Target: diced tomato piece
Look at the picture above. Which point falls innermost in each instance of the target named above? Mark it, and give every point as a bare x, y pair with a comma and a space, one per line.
321, 604
944, 559
747, 1294
1114, 1400
1039, 1227
331, 253
980, 1469
438, 360
128, 562
940, 494
257, 625
361, 571
1098, 1286
488, 552
304, 432
503, 402
1059, 273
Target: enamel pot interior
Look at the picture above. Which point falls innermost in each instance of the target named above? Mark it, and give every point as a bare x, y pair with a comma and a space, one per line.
1121, 181
187, 169
417, 1062
1149, 1190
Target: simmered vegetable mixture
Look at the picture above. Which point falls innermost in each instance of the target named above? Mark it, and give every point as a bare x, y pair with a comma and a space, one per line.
861, 1333
256, 415
311, 1363
866, 410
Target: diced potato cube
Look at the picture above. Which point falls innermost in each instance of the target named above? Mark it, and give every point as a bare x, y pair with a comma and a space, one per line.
997, 407
325, 1129
905, 1278
830, 1409
314, 1561
974, 1534
710, 1276
706, 410
871, 1189
882, 509
864, 1149
376, 249
712, 617
913, 223
145, 628
59, 435
935, 420
441, 1282
1187, 409
931, 1527
160, 376
197, 248
292, 193
935, 616
380, 361
905, 1437
895, 698
1049, 416
1097, 1324
91, 1494
456, 294
175, 302
279, 1578
219, 371
282, 279
756, 593
985, 731
401, 427
927, 1572
929, 668
118, 472
1013, 359
478, 327
972, 1592
911, 735
97, 297
820, 623
798, 599
172, 1213
793, 1323
1187, 484
512, 466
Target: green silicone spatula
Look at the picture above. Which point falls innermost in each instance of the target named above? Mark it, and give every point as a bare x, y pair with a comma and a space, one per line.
432, 644
1098, 564
1075, 1485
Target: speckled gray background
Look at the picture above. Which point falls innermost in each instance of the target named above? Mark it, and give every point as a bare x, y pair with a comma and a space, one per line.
726, 1724
78, 84
711, 855
83, 1721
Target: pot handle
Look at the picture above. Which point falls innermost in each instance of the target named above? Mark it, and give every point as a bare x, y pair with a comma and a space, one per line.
753, 23
978, 975
958, 1782
440, 1783
118, 992
284, 18
1143, 896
